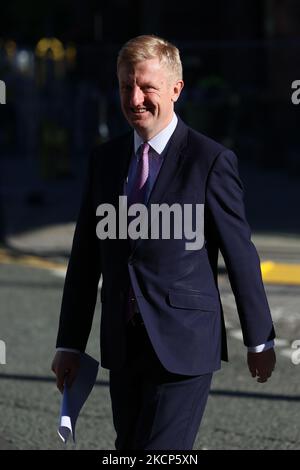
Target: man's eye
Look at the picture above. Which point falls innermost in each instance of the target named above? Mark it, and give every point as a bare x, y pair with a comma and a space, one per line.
149, 88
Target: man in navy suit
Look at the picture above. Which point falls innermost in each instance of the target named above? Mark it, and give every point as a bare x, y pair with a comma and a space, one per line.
162, 327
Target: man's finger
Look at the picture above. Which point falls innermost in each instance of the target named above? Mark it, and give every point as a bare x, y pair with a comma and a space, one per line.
252, 370
262, 378
70, 377
60, 384
60, 379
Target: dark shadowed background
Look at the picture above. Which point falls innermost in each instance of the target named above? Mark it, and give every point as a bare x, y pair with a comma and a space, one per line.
58, 63
57, 60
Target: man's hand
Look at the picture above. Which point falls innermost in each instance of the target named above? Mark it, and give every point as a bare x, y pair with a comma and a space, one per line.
262, 364
65, 366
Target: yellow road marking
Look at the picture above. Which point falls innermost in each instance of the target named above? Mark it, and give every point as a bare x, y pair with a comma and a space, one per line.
280, 273
273, 273
7, 257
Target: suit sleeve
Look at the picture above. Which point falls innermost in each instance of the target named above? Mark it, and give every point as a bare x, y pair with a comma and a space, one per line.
226, 214
82, 278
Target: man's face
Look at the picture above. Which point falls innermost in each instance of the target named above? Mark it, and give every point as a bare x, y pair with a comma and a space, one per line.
148, 93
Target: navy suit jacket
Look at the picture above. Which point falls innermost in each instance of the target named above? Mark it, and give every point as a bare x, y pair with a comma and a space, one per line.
176, 289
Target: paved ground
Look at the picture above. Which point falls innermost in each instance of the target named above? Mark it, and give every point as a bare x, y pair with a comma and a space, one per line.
241, 414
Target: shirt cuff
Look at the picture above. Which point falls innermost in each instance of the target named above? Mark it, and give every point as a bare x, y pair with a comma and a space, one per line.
68, 350
262, 347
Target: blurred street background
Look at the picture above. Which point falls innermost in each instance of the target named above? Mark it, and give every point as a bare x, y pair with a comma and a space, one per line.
57, 60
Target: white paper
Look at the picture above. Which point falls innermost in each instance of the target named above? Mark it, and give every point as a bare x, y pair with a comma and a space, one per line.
74, 398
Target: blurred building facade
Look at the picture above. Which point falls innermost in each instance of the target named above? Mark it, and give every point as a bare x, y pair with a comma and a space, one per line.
58, 62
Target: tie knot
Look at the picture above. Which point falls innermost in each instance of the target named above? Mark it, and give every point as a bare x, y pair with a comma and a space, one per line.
145, 148
144, 151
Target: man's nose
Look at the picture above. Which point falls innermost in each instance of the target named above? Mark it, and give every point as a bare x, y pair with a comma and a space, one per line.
137, 97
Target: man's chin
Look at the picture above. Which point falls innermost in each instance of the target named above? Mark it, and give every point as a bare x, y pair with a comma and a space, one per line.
141, 120
139, 124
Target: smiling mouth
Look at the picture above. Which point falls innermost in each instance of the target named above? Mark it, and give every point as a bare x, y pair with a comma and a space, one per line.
138, 110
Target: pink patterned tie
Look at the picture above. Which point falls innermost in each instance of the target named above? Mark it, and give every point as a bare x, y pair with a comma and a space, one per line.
144, 169
137, 195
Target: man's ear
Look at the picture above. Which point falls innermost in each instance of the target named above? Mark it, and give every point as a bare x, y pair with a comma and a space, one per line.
177, 90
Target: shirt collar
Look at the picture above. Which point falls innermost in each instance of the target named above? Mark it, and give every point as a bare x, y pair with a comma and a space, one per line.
160, 140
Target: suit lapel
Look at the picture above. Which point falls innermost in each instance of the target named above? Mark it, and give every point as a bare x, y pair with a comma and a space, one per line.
124, 163
171, 166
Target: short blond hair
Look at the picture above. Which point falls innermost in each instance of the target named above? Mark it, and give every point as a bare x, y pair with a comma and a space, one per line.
147, 47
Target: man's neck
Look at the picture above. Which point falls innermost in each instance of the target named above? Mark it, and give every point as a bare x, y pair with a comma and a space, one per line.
146, 137
160, 139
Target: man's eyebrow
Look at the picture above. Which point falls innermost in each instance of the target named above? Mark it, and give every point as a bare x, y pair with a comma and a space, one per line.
142, 85
149, 85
